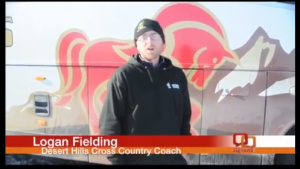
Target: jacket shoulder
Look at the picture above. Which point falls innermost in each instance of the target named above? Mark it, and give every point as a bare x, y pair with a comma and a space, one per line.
178, 71
122, 73
125, 69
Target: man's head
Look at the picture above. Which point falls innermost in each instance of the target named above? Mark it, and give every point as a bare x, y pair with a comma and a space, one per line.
149, 38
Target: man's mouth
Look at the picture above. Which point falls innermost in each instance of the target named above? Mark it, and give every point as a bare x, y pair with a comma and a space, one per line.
150, 49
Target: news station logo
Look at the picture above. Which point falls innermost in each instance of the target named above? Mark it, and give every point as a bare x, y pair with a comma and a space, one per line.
244, 143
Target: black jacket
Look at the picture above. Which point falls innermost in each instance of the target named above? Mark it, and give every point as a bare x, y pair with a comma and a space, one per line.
142, 100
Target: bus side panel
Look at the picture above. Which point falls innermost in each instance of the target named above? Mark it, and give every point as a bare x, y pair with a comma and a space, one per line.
64, 111
280, 108
196, 98
229, 108
70, 113
97, 85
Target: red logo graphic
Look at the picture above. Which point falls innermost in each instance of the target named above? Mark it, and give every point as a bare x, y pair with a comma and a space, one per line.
242, 139
194, 38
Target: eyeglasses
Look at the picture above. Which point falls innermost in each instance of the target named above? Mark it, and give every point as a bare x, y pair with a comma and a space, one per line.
153, 36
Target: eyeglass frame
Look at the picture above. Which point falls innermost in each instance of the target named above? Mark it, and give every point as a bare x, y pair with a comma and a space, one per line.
153, 36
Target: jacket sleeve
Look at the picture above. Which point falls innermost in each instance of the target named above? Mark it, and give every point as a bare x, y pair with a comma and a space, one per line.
112, 112
187, 111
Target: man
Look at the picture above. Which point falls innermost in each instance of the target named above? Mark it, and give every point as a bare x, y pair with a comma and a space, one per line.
147, 96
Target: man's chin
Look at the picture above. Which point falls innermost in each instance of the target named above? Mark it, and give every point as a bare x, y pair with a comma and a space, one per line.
152, 55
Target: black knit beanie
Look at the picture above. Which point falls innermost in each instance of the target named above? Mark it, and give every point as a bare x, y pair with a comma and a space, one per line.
147, 25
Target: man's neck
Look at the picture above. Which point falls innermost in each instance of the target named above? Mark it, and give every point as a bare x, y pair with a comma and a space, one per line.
153, 62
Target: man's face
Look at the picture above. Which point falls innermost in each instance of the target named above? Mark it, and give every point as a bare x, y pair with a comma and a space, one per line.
150, 45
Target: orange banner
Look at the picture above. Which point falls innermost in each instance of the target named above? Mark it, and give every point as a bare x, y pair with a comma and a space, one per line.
146, 150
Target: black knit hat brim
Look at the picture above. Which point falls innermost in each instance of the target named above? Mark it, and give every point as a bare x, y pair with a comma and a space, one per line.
141, 32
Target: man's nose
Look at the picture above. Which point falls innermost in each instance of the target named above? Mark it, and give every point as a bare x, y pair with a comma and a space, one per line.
149, 40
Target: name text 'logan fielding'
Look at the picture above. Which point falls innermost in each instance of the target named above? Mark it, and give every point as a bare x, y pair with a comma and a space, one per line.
51, 146
76, 142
